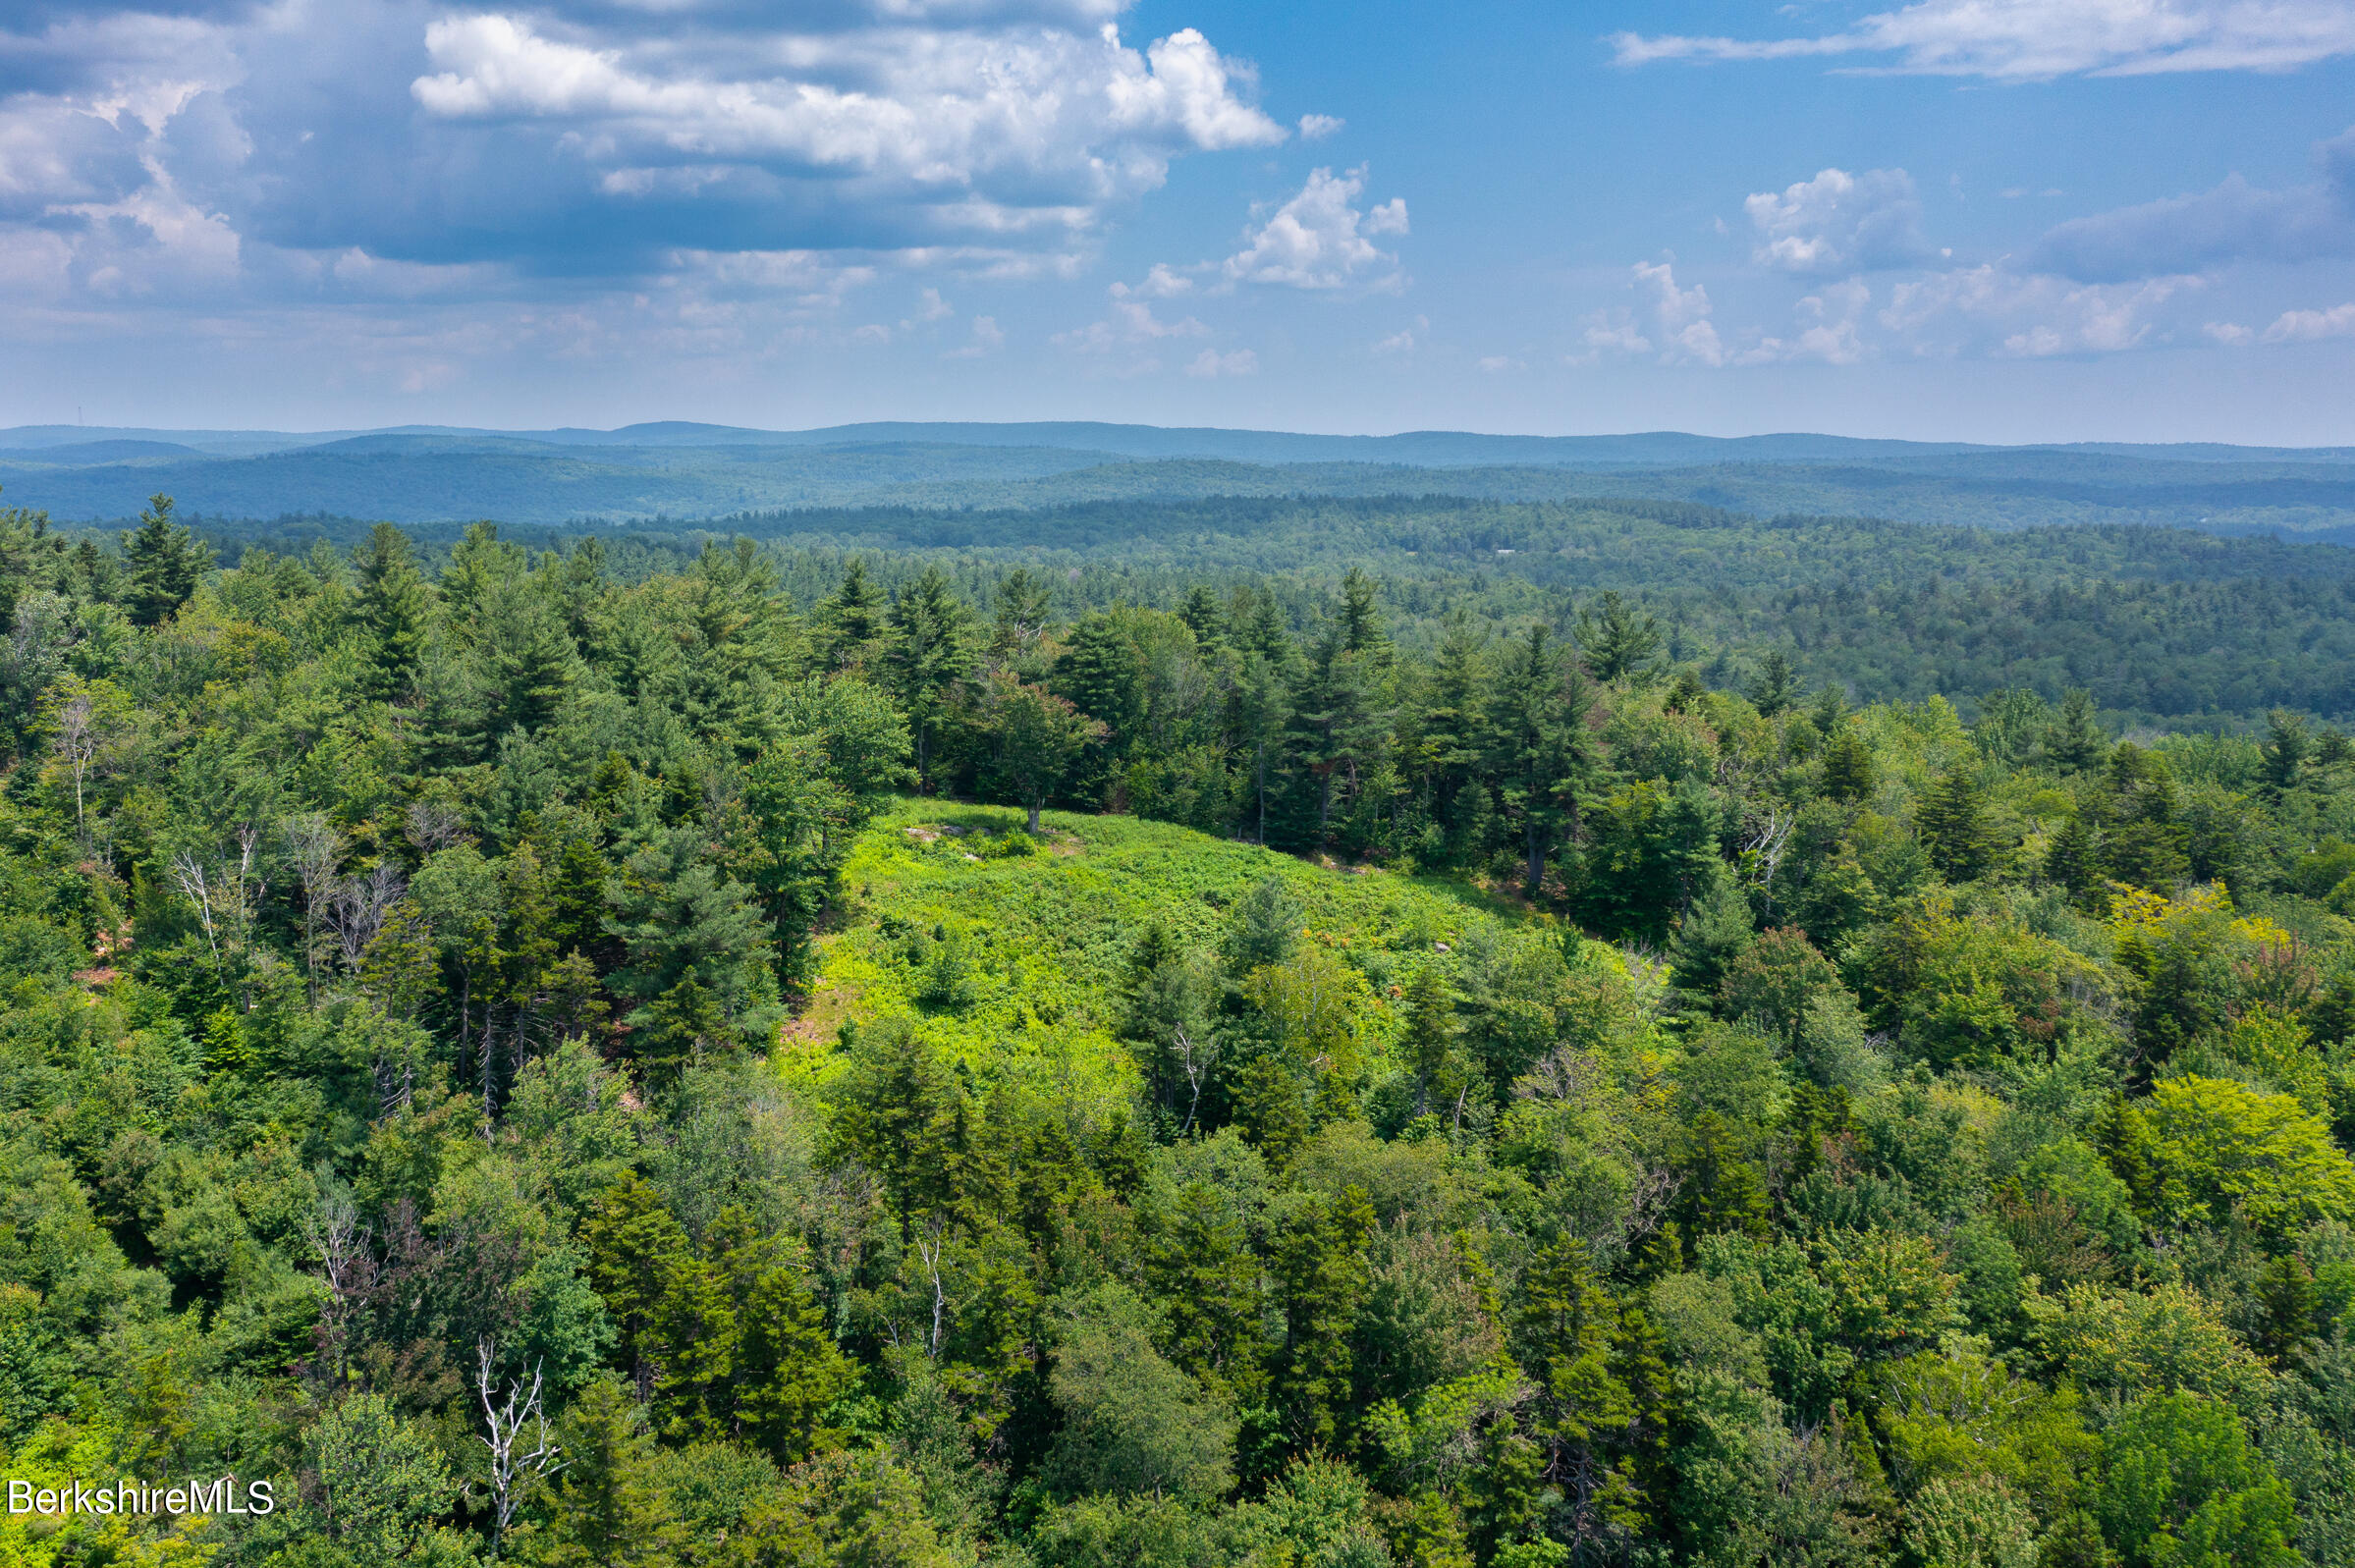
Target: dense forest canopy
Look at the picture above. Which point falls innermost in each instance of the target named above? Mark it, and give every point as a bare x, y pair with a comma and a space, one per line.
1122, 1046
2162, 626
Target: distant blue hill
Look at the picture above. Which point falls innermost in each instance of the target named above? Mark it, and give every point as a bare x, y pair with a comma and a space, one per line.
683, 472
84, 453
1422, 448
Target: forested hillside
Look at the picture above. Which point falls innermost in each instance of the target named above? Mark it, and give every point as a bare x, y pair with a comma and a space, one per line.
2161, 625
817, 1055
653, 473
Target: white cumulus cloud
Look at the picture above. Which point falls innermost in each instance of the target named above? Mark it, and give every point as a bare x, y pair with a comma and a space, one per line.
1839, 223
1611, 333
2312, 326
987, 339
424, 188
1685, 332
958, 122
1132, 325
1991, 310
1320, 238
1162, 282
1828, 332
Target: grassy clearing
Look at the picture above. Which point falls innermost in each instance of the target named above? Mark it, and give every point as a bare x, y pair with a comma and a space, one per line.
1046, 924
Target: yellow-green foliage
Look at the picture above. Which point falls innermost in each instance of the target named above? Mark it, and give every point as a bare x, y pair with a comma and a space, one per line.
2202, 1147
1045, 926
2131, 1342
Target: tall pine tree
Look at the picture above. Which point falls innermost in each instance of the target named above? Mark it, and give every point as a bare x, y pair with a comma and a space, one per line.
166, 563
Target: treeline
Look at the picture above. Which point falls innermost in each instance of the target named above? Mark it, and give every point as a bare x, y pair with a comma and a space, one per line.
2162, 626
1869, 1137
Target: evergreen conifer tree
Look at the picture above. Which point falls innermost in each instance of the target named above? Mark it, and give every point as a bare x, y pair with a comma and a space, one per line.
607, 1508
165, 561
1615, 638
393, 608
927, 658
1848, 770
1318, 1270
1953, 822
1777, 684
1536, 741
2075, 743
852, 620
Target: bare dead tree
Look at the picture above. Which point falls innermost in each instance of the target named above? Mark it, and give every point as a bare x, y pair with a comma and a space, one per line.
434, 825
506, 1421
77, 744
932, 1246
1655, 1188
354, 911
346, 1252
1561, 1074
1196, 1072
312, 847
188, 874
1765, 839
223, 889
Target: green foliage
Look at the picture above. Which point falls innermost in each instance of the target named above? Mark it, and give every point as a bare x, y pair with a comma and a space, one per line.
605, 1509
2184, 1486
1034, 739
165, 563
437, 1000
2202, 1149
1133, 1423
382, 1489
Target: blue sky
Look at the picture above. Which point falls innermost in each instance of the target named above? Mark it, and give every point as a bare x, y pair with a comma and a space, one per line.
2004, 219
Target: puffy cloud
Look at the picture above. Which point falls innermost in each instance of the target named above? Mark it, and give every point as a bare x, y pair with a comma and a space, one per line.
1839, 223
1211, 363
1827, 323
1611, 333
991, 133
2312, 326
1685, 331
1138, 324
1190, 87
593, 142
1319, 239
1162, 282
1317, 127
1994, 311
54, 154
2234, 222
1989, 311
1133, 325
2040, 39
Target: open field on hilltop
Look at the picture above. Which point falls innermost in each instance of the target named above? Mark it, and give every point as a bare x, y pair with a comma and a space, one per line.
1047, 925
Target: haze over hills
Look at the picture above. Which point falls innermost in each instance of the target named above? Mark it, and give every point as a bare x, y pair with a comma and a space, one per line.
1417, 447
684, 472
